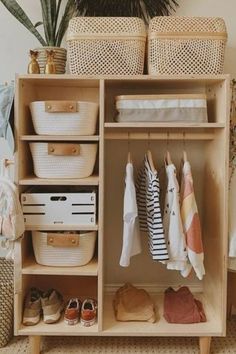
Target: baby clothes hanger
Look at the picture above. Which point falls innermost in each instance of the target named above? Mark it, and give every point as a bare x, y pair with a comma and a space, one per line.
129, 159
185, 158
150, 160
149, 156
167, 157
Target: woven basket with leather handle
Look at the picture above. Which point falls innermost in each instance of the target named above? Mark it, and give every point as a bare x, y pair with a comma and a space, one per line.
186, 45
6, 301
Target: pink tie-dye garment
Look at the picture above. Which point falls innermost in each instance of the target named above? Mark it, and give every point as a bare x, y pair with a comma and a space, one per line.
191, 224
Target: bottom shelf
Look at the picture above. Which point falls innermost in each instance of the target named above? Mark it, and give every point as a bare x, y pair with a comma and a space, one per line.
213, 327
58, 329
111, 327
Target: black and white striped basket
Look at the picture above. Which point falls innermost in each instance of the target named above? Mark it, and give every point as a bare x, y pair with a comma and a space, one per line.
6, 301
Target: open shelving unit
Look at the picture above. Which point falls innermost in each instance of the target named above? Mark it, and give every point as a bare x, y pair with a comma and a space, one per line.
207, 148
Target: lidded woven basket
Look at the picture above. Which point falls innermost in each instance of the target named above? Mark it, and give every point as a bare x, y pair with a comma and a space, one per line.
106, 45
186, 45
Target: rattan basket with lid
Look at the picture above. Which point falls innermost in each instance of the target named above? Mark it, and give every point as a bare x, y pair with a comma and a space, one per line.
186, 45
106, 45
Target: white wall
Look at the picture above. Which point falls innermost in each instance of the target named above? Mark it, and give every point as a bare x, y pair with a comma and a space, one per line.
15, 40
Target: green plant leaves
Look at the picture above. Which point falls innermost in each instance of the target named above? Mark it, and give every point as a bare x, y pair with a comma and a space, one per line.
14, 8
70, 11
37, 24
50, 16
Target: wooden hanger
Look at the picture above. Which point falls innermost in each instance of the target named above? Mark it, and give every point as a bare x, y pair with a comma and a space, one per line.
168, 160
150, 160
129, 159
185, 158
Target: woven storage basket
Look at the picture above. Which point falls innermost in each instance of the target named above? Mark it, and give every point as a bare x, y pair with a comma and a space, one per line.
186, 45
62, 160
64, 117
6, 301
106, 45
63, 249
162, 108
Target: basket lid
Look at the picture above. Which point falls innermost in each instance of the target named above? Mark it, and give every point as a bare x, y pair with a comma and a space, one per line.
179, 26
182, 96
106, 28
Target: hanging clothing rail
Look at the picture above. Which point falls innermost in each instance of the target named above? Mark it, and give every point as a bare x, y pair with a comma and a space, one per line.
158, 136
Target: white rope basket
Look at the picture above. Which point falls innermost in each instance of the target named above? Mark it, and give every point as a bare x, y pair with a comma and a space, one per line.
62, 160
63, 249
186, 45
106, 45
64, 117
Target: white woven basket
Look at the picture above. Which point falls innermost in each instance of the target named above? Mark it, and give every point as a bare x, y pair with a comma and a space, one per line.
63, 160
186, 45
106, 45
63, 249
64, 117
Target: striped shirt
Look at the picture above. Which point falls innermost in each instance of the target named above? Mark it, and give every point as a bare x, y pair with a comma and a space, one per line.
150, 219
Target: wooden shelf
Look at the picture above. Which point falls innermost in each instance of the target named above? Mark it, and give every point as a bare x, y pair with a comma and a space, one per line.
59, 138
32, 180
161, 327
31, 267
160, 125
61, 227
58, 329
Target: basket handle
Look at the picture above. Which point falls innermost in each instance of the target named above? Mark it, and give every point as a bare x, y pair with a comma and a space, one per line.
59, 149
60, 106
62, 240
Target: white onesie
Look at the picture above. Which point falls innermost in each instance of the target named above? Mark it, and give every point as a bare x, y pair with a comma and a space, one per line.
131, 236
172, 223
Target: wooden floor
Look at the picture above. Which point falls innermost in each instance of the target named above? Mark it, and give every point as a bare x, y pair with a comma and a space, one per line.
125, 345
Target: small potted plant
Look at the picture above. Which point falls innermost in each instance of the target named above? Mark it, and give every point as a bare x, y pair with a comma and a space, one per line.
54, 25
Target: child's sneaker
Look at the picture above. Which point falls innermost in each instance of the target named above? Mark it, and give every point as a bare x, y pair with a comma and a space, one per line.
72, 311
32, 307
52, 304
88, 312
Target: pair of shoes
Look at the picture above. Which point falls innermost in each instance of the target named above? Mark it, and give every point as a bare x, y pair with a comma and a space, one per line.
37, 302
86, 311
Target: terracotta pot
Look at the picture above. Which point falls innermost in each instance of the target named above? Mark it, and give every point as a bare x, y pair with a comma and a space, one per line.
59, 60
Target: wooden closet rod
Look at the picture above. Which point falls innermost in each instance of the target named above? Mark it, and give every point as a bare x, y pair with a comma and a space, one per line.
158, 136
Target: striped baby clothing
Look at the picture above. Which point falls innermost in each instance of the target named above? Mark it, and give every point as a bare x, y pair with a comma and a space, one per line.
131, 237
173, 223
148, 195
191, 224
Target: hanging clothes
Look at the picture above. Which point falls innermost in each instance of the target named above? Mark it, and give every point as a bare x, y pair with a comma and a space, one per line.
173, 223
191, 224
148, 195
11, 216
131, 236
6, 101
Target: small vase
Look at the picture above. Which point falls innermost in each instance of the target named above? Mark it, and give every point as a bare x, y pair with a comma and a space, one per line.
59, 59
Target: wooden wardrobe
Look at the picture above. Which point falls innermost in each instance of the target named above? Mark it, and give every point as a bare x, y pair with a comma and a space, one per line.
207, 148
